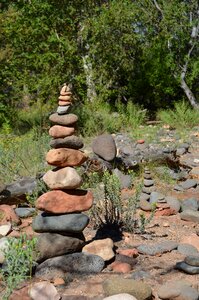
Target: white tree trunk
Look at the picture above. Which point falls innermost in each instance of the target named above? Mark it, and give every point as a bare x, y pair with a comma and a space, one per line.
88, 69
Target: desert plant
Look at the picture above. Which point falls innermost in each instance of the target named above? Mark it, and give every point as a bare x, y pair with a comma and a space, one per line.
181, 117
19, 261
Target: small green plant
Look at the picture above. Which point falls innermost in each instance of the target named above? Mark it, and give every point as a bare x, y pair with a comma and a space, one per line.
19, 257
40, 189
144, 221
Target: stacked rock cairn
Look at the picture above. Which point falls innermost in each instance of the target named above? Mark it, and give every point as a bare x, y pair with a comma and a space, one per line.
61, 221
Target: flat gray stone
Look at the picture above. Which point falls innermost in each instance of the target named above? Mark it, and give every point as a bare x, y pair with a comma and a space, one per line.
67, 119
148, 189
187, 249
144, 196
180, 151
145, 205
190, 215
81, 263
182, 266
174, 203
71, 141
192, 260
191, 203
105, 147
24, 212
179, 289
155, 197
189, 183
148, 182
157, 248
60, 223
62, 110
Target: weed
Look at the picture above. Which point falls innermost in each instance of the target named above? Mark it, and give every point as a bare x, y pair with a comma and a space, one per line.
19, 262
40, 189
143, 221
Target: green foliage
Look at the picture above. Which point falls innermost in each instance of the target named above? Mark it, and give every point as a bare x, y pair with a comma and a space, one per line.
181, 117
40, 189
19, 262
144, 221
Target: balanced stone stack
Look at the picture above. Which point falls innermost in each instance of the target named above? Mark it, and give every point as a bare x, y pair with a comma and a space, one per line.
147, 189
61, 220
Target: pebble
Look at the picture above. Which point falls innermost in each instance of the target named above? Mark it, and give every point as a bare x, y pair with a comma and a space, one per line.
155, 197
182, 266
137, 275
180, 290
58, 131
5, 229
190, 203
190, 215
187, 249
157, 248
24, 212
192, 260
105, 147
174, 203
189, 183
145, 205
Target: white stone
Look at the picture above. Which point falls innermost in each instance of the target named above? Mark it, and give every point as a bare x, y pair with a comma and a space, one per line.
5, 229
121, 297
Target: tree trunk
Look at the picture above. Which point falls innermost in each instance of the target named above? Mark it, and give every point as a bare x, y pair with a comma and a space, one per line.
189, 93
91, 91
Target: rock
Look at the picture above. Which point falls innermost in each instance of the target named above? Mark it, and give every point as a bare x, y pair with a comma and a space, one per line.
44, 291
81, 263
24, 212
123, 296
147, 176
71, 141
169, 291
157, 248
190, 215
173, 203
187, 249
62, 110
128, 252
120, 267
155, 197
7, 214
148, 189
125, 180
53, 244
194, 173
102, 248
126, 259
60, 202
179, 290
178, 188
64, 120
137, 275
5, 229
180, 151
21, 294
65, 98
189, 183
61, 223
165, 212
192, 260
145, 205
192, 239
4, 243
182, 266
62, 178
138, 289
2, 187
190, 203
148, 182
58, 131
144, 196
64, 103
104, 146
64, 157
65, 90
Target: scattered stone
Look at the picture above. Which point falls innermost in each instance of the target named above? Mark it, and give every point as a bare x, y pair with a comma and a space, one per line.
165, 212
102, 248
155, 197
188, 184
123, 296
60, 202
44, 291
53, 244
180, 151
67, 119
64, 157
173, 203
104, 146
148, 189
62, 110
192, 260
138, 289
5, 229
71, 141
144, 196
182, 266
148, 182
137, 275
81, 263
190, 203
24, 212
179, 290
120, 267
178, 188
21, 294
145, 205
8, 214
62, 178
157, 248
58, 131
192, 239
190, 215
187, 249
61, 223
128, 252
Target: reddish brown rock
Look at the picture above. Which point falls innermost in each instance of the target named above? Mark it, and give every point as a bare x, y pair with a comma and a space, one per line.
58, 131
59, 202
128, 252
140, 141
65, 157
120, 267
21, 294
7, 214
64, 103
165, 212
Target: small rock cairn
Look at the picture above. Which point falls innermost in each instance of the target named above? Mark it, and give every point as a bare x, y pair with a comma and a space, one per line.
61, 220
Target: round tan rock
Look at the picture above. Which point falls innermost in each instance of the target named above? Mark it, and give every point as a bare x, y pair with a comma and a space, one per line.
65, 98
64, 103
64, 178
120, 267
67, 119
44, 291
58, 131
64, 157
102, 248
191, 239
65, 90
59, 202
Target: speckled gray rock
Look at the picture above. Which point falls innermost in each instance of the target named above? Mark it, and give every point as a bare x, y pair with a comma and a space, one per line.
60, 223
145, 205
174, 203
138, 289
191, 203
155, 197
72, 142
189, 183
62, 110
80, 263
190, 215
65, 120
104, 146
157, 248
182, 266
187, 249
192, 260
24, 212
148, 182
53, 244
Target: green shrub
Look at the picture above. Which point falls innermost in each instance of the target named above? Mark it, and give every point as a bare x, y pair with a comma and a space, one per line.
181, 117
